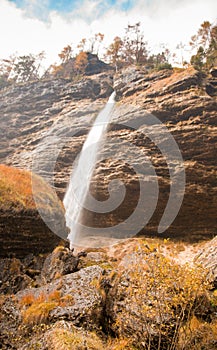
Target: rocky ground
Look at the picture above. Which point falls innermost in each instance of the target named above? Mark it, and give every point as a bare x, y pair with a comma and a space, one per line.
90, 300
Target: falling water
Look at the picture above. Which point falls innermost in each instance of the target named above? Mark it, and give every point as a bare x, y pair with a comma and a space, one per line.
80, 179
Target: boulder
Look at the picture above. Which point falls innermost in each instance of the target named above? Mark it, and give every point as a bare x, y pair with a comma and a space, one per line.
76, 297
65, 336
12, 276
213, 72
60, 262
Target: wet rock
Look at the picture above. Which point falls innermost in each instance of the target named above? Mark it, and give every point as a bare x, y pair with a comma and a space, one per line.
178, 100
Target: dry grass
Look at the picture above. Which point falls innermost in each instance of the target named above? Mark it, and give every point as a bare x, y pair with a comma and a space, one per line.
21, 190
35, 310
198, 335
61, 339
15, 188
74, 339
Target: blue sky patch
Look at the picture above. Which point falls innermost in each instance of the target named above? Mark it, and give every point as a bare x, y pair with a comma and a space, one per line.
66, 6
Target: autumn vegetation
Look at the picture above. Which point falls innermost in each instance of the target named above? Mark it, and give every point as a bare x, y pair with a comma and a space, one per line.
36, 309
15, 188
164, 305
153, 303
132, 48
21, 190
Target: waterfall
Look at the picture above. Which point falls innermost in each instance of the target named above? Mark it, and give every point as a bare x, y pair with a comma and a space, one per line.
81, 176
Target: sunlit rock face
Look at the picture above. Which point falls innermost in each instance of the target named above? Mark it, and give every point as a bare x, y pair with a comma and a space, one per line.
180, 101
49, 122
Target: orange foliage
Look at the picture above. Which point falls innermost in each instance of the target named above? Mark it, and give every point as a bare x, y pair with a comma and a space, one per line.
36, 309
81, 62
57, 71
21, 189
65, 54
27, 300
15, 187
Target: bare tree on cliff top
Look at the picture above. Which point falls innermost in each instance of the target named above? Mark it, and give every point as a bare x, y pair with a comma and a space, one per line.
27, 67
134, 46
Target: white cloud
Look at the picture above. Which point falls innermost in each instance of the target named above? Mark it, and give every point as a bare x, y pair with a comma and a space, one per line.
35, 8
169, 22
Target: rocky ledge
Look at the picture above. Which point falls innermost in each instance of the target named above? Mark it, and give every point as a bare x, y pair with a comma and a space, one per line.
32, 217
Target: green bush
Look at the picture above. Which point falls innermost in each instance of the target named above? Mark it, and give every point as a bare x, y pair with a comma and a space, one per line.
163, 66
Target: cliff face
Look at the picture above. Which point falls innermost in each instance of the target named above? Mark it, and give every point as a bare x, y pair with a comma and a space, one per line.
31, 215
44, 124
179, 100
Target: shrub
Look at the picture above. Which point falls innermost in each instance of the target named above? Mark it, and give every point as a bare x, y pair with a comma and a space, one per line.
38, 312
36, 309
165, 65
62, 339
156, 298
197, 335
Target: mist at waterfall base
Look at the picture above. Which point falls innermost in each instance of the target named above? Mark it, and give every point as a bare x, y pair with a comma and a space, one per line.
81, 176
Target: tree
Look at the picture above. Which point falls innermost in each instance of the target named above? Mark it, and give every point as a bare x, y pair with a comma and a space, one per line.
38, 63
82, 44
80, 63
62, 70
157, 59
160, 61
6, 67
25, 69
55, 70
65, 54
205, 42
134, 46
197, 61
212, 49
181, 47
114, 52
95, 43
202, 38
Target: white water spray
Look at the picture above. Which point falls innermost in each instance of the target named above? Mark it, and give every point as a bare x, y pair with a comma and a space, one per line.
80, 179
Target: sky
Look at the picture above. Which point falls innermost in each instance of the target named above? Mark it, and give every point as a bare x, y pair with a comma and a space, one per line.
31, 26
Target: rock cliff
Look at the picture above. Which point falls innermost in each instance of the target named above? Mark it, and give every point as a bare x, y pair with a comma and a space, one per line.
23, 230
45, 123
